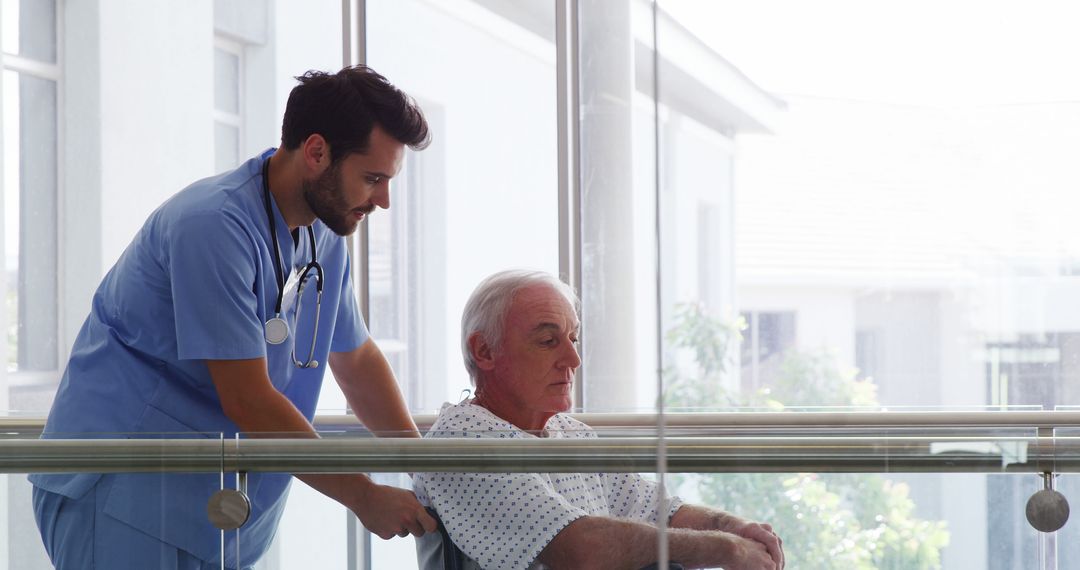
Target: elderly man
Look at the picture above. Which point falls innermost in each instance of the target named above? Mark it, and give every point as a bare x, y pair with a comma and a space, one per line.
519, 334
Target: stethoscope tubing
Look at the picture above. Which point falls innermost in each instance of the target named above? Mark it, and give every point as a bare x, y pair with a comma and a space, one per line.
276, 329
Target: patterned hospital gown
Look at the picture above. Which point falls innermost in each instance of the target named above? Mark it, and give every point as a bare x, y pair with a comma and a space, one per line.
503, 520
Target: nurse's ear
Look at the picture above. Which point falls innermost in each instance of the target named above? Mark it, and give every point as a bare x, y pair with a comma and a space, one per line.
316, 153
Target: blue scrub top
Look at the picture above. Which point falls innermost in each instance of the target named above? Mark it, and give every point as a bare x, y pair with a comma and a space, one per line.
197, 283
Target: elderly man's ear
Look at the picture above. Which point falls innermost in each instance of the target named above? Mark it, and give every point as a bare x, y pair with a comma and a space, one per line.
481, 352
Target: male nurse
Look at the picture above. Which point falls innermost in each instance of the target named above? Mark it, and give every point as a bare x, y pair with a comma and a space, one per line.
221, 317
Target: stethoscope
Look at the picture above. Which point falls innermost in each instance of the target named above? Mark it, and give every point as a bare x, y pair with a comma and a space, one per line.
276, 329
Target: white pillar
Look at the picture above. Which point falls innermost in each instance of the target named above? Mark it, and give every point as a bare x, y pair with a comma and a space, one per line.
608, 309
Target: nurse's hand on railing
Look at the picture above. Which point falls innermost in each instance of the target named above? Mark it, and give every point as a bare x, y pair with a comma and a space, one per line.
388, 511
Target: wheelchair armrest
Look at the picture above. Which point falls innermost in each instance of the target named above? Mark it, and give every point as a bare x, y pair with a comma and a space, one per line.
453, 558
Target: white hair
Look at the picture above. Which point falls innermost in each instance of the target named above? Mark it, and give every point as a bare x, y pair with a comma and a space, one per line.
489, 304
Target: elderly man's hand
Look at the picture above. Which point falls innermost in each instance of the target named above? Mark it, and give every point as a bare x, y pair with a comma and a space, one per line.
761, 533
388, 511
746, 554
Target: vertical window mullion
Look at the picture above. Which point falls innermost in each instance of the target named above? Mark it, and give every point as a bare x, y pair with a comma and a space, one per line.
569, 159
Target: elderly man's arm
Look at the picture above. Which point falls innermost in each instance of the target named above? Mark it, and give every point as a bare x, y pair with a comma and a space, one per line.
703, 518
602, 542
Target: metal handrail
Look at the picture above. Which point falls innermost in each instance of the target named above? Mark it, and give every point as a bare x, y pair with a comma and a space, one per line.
803, 419
908, 441
811, 419
614, 454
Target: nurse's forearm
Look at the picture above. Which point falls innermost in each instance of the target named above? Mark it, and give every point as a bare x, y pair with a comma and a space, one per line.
270, 414
251, 401
369, 385
381, 408
385, 511
256, 407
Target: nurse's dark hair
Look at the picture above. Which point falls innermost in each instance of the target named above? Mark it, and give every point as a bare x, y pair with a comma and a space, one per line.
345, 106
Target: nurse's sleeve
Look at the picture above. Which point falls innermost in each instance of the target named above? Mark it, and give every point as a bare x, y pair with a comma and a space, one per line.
349, 329
211, 266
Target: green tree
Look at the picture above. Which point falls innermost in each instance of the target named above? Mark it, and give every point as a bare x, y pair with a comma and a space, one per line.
828, 521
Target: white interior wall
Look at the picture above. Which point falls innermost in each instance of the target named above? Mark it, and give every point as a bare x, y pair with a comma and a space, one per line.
80, 177
156, 99
496, 85
306, 36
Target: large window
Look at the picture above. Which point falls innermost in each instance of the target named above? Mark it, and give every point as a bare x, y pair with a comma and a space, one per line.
402, 256
483, 197
900, 222
30, 142
762, 226
30, 237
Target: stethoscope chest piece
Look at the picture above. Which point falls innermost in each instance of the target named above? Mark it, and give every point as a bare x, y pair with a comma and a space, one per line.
277, 330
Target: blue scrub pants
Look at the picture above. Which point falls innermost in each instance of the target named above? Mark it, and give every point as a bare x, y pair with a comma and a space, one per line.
79, 536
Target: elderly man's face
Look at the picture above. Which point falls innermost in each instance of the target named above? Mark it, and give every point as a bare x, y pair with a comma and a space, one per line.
533, 369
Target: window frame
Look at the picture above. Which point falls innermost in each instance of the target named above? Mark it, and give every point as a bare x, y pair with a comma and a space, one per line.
224, 118
49, 71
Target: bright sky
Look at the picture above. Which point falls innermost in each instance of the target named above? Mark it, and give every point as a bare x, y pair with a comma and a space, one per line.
994, 174
912, 51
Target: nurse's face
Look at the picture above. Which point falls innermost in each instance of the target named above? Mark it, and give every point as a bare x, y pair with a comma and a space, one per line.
351, 188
